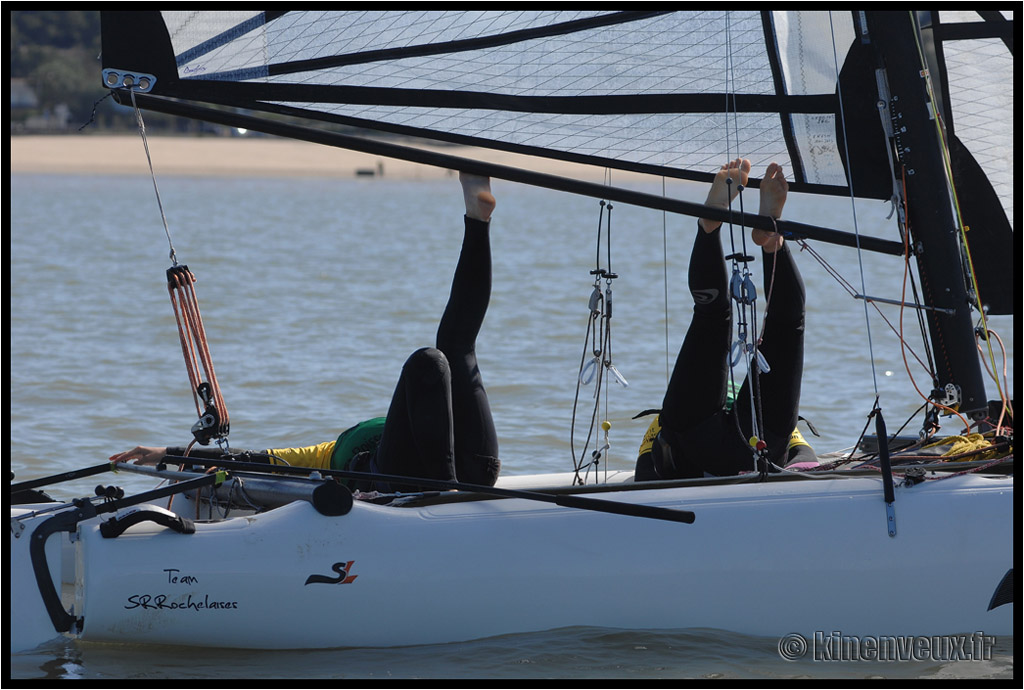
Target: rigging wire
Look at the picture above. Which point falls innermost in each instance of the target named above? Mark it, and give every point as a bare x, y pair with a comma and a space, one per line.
598, 341
664, 267
902, 205
1006, 408
590, 370
935, 404
730, 103
899, 193
845, 284
853, 208
152, 174
213, 420
742, 289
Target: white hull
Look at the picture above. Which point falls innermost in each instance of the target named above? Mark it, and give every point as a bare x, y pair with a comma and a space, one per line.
761, 558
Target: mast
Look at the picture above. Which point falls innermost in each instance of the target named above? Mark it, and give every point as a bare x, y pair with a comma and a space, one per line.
934, 230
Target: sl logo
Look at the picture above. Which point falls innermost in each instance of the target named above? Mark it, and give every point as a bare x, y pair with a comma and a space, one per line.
343, 577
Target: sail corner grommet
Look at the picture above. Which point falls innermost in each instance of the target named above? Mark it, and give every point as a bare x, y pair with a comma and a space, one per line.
128, 79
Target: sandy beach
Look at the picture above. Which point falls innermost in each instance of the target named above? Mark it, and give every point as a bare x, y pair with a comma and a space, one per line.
236, 156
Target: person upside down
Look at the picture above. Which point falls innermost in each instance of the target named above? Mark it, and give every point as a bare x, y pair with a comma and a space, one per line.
696, 433
439, 424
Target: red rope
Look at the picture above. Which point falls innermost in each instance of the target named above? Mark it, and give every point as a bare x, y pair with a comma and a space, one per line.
194, 345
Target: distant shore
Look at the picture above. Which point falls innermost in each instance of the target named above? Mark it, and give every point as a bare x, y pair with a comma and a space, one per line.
237, 157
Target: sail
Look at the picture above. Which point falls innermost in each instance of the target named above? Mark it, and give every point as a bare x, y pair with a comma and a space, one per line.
647, 91
670, 93
974, 71
651, 91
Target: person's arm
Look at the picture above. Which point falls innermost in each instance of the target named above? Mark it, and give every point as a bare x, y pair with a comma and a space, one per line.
142, 455
154, 455
318, 456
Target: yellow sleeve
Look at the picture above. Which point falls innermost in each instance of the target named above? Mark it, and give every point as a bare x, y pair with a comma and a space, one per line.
647, 445
318, 456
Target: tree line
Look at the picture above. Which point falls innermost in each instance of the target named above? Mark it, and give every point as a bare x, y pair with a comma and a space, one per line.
57, 55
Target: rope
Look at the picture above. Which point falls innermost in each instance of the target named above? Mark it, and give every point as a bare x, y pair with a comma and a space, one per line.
152, 174
742, 289
578, 464
845, 284
899, 193
1007, 406
598, 328
853, 207
906, 253
743, 292
664, 264
213, 415
940, 131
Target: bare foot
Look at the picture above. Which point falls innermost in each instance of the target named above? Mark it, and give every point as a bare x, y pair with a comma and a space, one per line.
774, 190
724, 189
480, 202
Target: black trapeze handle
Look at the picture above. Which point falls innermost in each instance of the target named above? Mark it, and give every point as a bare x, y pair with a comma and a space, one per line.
115, 527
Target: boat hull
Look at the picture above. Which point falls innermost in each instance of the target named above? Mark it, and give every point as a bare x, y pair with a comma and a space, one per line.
770, 558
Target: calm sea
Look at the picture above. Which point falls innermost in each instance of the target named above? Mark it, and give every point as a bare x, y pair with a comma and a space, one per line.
313, 292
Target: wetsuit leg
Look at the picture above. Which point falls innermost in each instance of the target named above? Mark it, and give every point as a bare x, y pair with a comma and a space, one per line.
782, 344
696, 390
476, 441
697, 387
417, 439
439, 424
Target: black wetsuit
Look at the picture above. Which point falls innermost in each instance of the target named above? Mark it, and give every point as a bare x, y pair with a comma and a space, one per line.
439, 424
698, 433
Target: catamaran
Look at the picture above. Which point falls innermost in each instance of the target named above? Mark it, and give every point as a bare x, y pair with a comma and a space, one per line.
891, 538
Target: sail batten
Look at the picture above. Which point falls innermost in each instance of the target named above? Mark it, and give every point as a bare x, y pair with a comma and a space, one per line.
451, 47
316, 94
